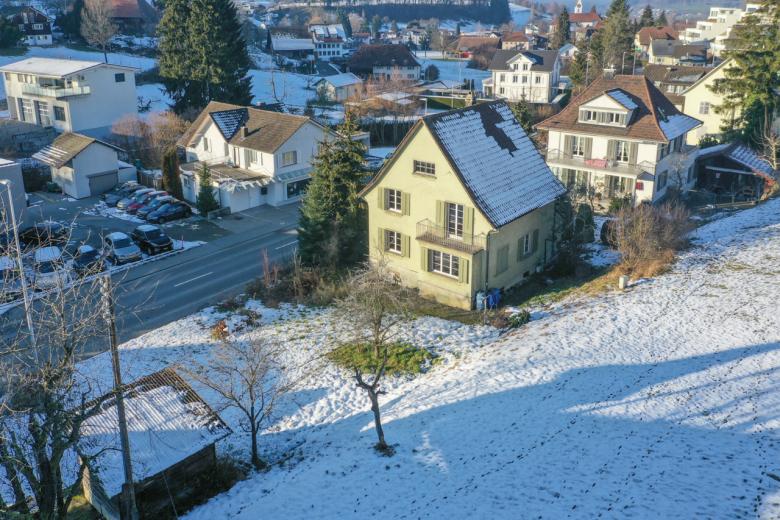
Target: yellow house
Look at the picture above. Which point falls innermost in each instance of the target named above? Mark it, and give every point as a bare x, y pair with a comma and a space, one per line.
466, 203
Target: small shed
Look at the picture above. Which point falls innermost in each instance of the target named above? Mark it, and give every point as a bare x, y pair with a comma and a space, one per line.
735, 171
339, 87
172, 433
84, 166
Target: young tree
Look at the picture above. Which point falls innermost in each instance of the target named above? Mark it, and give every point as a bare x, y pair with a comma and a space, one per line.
10, 35
562, 30
661, 20
646, 20
96, 25
431, 72
171, 176
246, 375
617, 38
374, 308
752, 76
522, 112
69, 20
206, 201
579, 68
376, 26
332, 227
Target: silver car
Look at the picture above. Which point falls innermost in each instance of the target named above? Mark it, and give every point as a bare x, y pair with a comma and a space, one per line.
120, 249
137, 196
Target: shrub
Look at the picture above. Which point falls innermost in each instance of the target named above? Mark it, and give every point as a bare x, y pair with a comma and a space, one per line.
402, 358
219, 332
618, 203
585, 226
519, 319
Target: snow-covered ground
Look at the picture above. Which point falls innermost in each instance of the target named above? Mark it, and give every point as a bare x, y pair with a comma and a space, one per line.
659, 402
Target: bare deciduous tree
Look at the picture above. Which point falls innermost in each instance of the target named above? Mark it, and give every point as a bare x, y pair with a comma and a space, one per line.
148, 139
96, 25
770, 142
247, 376
374, 307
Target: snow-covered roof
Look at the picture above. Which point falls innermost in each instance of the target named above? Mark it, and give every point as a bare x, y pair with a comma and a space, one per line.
117, 235
741, 154
229, 121
167, 422
54, 67
65, 147
282, 43
47, 254
342, 80
675, 125
331, 32
496, 160
621, 97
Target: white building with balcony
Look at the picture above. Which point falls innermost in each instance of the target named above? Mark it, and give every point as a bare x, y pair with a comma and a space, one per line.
519, 74
255, 156
70, 95
621, 138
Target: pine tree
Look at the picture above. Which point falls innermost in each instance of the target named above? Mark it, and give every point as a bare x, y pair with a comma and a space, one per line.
752, 76
10, 35
522, 112
171, 179
376, 26
344, 21
647, 17
206, 201
617, 38
562, 30
174, 57
499, 11
661, 20
220, 59
578, 68
332, 227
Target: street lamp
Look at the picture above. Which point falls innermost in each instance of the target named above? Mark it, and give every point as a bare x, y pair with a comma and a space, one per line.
25, 292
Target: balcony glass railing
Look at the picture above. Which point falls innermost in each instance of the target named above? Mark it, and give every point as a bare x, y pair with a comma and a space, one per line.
428, 231
609, 165
55, 92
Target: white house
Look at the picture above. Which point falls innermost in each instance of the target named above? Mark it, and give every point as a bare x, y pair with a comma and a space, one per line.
328, 40
255, 156
529, 75
11, 192
339, 87
84, 166
70, 95
621, 138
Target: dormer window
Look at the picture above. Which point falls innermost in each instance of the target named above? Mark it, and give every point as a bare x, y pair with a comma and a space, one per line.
602, 117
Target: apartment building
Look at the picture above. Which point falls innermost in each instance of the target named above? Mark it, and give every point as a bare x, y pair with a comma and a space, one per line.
328, 40
70, 95
529, 75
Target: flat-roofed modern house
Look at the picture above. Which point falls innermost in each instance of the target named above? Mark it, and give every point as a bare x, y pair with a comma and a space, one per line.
465, 203
70, 95
255, 156
621, 138
530, 75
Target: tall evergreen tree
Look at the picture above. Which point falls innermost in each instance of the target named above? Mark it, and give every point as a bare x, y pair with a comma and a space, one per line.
522, 112
617, 38
578, 68
499, 11
562, 30
332, 227
205, 201
647, 20
752, 76
344, 21
662, 21
171, 179
174, 58
10, 35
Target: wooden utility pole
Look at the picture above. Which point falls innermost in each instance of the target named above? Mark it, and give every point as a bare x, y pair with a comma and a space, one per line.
127, 505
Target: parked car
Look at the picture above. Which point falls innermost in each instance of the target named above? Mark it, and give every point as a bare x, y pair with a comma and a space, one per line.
146, 199
134, 197
88, 260
151, 239
170, 211
49, 270
10, 279
48, 233
153, 205
112, 197
120, 249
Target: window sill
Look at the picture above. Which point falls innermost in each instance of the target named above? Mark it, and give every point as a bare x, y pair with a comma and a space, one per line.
427, 175
397, 253
396, 212
446, 275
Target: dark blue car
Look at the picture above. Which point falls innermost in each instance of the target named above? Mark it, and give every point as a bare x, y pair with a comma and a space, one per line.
170, 211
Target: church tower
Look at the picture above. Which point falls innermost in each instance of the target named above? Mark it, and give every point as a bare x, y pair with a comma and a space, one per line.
578, 6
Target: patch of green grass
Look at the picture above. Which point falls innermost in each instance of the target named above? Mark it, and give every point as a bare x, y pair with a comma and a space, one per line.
423, 307
543, 290
402, 358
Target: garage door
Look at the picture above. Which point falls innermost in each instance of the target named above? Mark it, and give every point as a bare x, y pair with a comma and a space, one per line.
102, 182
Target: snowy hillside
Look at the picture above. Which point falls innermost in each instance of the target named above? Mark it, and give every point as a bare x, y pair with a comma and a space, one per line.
655, 403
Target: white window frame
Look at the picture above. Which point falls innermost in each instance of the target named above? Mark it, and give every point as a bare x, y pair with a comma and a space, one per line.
454, 220
205, 144
445, 264
393, 242
527, 244
622, 151
393, 200
704, 107
290, 158
424, 168
577, 146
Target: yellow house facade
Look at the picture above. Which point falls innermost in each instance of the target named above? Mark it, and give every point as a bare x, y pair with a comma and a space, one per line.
466, 203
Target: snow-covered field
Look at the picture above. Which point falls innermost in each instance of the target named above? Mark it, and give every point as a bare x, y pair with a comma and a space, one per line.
659, 402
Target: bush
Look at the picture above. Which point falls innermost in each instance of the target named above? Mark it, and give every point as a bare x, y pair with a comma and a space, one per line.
585, 225
618, 203
402, 358
519, 319
431, 73
219, 332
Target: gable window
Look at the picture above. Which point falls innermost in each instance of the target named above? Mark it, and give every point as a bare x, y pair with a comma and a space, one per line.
393, 200
424, 168
38, 26
514, 66
454, 220
525, 66
59, 113
393, 241
588, 116
444, 263
119, 77
206, 144
621, 151
704, 107
289, 158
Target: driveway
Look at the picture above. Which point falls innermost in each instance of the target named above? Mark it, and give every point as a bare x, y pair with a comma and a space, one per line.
261, 218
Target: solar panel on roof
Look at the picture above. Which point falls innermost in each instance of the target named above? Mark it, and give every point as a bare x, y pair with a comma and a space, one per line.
229, 121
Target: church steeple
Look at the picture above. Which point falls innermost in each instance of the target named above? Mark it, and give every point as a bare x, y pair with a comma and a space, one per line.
578, 6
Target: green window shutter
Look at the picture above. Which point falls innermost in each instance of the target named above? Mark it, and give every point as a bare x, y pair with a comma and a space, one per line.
568, 144
405, 200
468, 221
519, 249
463, 270
405, 245
535, 241
633, 151
611, 150
424, 259
380, 239
440, 212
380, 198
588, 147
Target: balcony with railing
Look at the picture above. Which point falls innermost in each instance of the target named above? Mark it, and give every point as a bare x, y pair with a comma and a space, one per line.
606, 165
428, 231
55, 91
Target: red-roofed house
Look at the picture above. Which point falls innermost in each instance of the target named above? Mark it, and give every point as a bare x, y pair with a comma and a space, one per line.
644, 38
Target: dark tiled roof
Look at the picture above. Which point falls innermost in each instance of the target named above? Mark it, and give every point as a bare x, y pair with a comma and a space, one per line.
677, 74
381, 55
469, 43
654, 117
590, 16
514, 37
648, 34
267, 130
544, 61
676, 49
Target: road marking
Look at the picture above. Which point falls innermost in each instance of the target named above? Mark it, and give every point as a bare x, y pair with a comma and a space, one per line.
285, 245
193, 279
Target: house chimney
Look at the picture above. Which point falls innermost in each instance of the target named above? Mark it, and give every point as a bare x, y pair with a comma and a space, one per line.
244, 132
609, 73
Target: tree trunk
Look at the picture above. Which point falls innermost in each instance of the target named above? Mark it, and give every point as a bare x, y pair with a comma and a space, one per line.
374, 396
256, 462
13, 478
